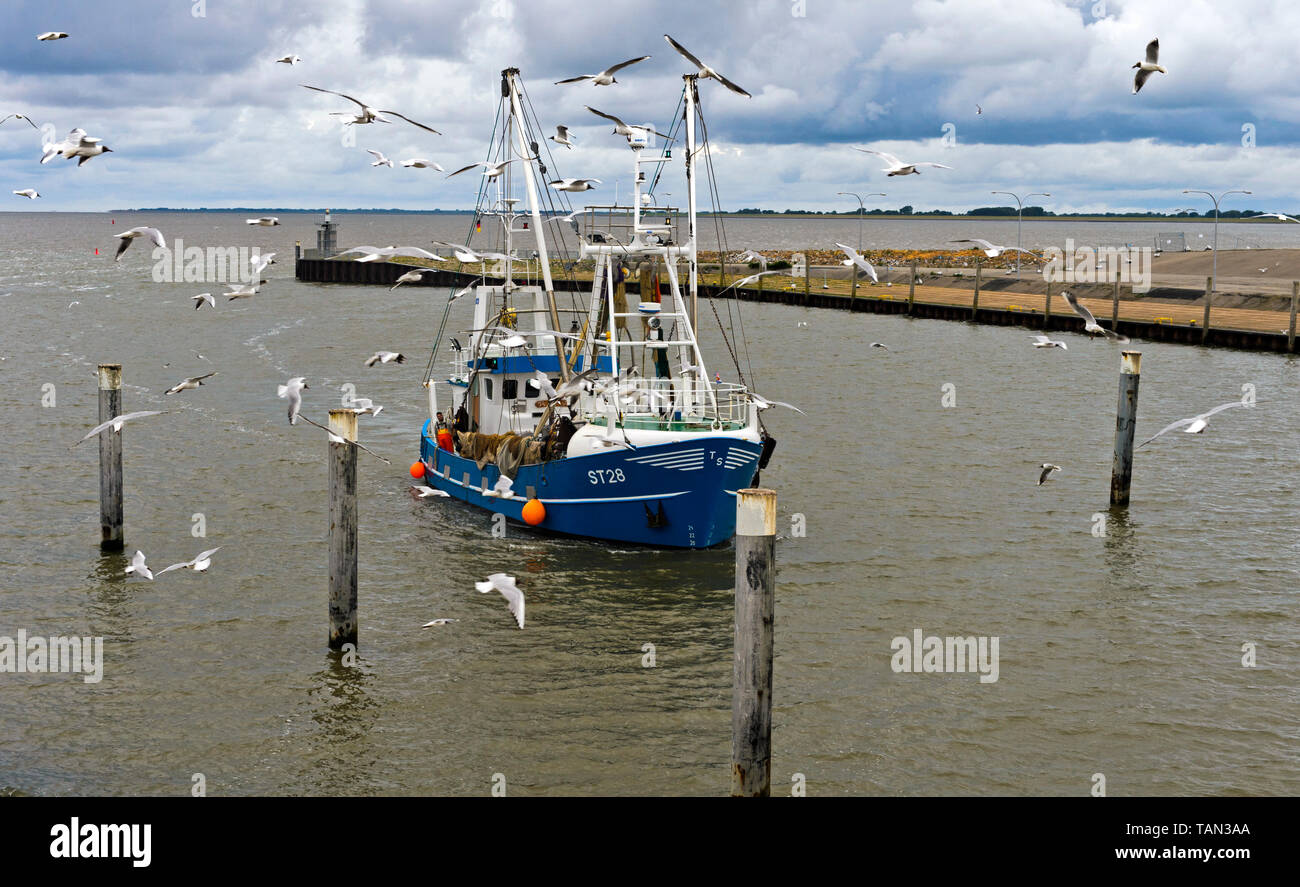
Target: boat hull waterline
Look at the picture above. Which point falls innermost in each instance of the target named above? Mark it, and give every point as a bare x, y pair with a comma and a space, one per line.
674, 495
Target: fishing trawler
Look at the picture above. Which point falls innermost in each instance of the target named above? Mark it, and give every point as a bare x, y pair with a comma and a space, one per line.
598, 417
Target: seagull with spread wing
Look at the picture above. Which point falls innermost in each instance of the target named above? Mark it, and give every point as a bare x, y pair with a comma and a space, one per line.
624, 129
1197, 423
509, 590
1147, 67
856, 258
117, 422
605, 77
992, 250
368, 114
704, 71
128, 237
898, 167
1090, 325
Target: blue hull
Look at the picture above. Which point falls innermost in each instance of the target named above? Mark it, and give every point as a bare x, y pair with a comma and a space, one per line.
676, 495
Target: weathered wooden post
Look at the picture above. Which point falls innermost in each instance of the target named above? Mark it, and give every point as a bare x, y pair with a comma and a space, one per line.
1295, 297
1047, 306
751, 694
1209, 297
1121, 473
911, 288
1114, 305
975, 301
807, 274
110, 459
343, 529
853, 294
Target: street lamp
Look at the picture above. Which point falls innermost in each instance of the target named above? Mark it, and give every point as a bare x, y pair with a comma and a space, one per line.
861, 210
1214, 277
1020, 208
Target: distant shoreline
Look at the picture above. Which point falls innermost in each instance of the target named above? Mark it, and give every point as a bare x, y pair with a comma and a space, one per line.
781, 216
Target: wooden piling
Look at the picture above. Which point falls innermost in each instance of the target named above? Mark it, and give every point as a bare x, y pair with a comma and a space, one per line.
853, 294
911, 288
975, 300
1121, 473
1114, 305
807, 274
110, 459
751, 697
343, 530
1047, 306
1209, 297
1295, 298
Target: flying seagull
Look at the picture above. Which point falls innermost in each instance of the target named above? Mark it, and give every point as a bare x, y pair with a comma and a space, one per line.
1196, 424
509, 590
1049, 342
77, 144
1048, 468
411, 277
29, 193
373, 253
561, 137
424, 492
438, 622
51, 35
288, 60
257, 264
1090, 325
292, 390
855, 258
198, 565
263, 222
880, 345
380, 159
898, 167
117, 422
138, 567
992, 250
468, 256
1280, 216
188, 384
490, 170
334, 438
363, 405
573, 184
128, 237
385, 357
623, 129
421, 163
605, 77
201, 298
705, 72
20, 117
368, 114
764, 404
242, 290
1145, 68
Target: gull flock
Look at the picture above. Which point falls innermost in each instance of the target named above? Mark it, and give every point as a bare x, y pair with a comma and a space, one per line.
82, 147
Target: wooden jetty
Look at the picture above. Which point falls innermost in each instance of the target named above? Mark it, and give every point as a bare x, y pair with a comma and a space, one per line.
1197, 322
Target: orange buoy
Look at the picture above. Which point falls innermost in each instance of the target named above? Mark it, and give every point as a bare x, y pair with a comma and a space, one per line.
417, 470
534, 512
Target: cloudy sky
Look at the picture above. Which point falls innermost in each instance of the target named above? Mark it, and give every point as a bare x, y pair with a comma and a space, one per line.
188, 96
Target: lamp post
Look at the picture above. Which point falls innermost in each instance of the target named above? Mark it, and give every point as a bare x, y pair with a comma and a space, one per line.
1019, 209
1214, 276
861, 210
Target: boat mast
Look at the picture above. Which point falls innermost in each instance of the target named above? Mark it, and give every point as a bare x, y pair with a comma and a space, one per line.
531, 188
691, 96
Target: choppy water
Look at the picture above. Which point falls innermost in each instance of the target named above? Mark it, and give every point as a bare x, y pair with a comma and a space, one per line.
1118, 655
